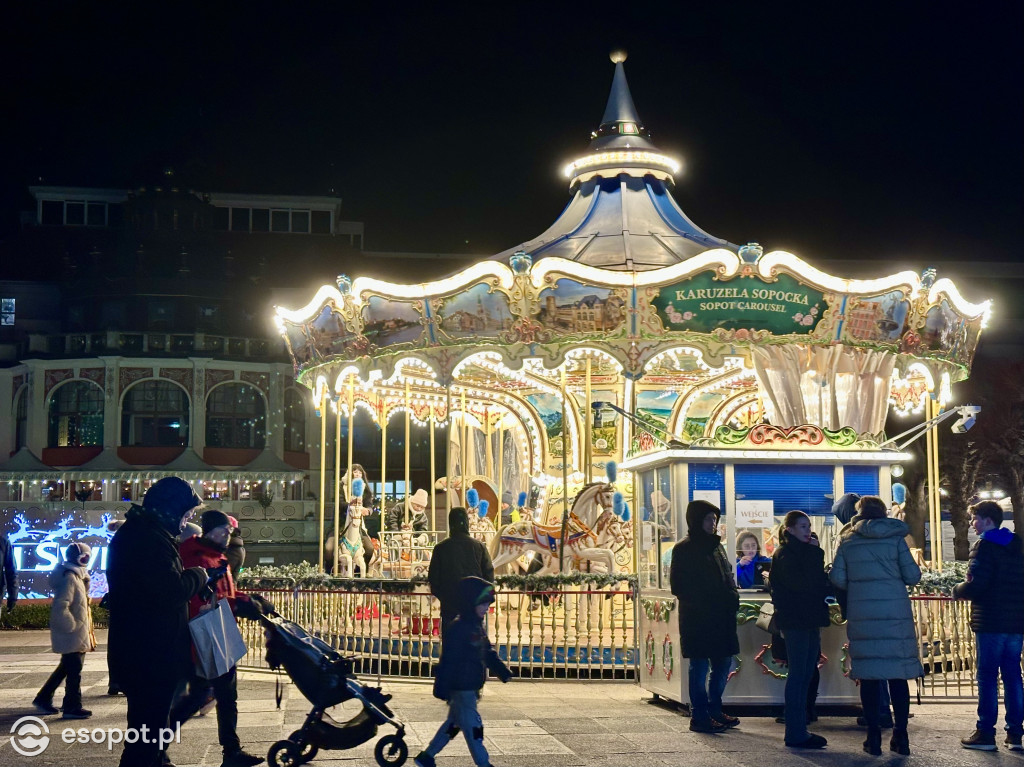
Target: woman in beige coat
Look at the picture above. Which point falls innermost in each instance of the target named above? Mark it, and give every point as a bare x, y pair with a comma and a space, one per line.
874, 565
71, 632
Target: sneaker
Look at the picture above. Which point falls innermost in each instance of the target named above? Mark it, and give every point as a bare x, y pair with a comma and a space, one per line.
76, 713
812, 741
980, 741
240, 759
423, 759
45, 706
707, 725
728, 721
1012, 741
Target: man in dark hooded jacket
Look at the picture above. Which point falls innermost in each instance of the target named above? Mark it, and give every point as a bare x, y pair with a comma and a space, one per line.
455, 558
703, 584
148, 641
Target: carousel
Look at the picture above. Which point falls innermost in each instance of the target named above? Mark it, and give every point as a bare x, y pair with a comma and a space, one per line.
624, 363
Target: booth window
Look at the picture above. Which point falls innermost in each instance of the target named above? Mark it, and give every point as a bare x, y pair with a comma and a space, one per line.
155, 414
76, 415
236, 417
807, 488
294, 422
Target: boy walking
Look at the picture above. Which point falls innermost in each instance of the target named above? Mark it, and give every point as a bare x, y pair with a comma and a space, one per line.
995, 587
466, 657
71, 632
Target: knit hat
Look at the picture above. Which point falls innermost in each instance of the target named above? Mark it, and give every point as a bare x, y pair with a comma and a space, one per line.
189, 530
78, 554
458, 520
696, 511
212, 519
169, 500
506, 497
419, 498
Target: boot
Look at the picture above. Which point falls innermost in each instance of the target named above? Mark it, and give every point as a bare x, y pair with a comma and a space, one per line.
900, 742
873, 745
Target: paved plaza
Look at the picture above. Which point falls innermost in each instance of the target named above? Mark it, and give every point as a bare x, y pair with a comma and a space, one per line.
527, 724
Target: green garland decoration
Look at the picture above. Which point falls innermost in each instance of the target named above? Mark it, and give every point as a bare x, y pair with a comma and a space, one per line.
556, 582
746, 612
668, 662
657, 610
649, 653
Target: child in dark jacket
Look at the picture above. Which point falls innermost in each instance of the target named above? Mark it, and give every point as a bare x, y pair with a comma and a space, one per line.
465, 659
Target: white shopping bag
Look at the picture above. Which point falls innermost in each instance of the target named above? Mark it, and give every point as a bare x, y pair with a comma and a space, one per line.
217, 640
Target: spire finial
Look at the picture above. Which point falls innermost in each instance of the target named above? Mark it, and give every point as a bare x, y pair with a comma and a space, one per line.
618, 55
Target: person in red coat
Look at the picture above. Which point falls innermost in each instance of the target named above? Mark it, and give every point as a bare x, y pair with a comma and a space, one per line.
209, 550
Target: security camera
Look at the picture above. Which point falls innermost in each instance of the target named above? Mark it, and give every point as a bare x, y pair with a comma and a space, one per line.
968, 415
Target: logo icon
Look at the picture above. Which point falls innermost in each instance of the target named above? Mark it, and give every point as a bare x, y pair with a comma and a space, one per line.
30, 736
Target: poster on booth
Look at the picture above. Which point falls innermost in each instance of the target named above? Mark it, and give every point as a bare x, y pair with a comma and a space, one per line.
755, 514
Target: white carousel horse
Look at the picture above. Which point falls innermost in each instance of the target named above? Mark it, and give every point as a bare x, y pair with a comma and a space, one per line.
514, 540
350, 550
581, 543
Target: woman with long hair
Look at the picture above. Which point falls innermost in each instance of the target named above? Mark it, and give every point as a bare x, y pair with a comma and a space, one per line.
874, 565
799, 588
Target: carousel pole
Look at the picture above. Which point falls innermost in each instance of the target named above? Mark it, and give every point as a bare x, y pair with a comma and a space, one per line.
588, 448
501, 464
433, 473
465, 447
936, 409
936, 531
565, 470
383, 454
448, 448
351, 434
487, 442
408, 439
337, 486
323, 476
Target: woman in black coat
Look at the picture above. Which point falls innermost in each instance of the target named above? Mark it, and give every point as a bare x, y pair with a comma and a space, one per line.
702, 582
799, 589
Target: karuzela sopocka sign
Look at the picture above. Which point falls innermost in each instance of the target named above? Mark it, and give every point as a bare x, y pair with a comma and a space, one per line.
702, 304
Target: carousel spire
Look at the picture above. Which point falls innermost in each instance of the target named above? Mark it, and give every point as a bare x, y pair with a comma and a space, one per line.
622, 143
621, 125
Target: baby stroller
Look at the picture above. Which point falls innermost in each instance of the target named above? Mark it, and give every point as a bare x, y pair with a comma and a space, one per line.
326, 679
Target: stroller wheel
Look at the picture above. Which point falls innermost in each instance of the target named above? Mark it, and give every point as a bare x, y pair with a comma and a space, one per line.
284, 753
308, 752
391, 751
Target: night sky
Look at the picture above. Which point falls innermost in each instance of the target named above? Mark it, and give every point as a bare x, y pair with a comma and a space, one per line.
835, 130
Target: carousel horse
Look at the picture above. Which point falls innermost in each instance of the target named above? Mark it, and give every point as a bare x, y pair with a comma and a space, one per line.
351, 551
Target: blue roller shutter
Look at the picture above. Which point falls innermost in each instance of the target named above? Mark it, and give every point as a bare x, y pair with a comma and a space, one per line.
802, 487
860, 479
708, 476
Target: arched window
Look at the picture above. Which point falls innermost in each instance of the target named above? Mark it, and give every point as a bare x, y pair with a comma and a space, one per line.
154, 414
76, 415
294, 421
236, 417
21, 420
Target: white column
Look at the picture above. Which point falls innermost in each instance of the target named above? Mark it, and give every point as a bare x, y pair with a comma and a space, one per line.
275, 408
111, 403
38, 416
197, 422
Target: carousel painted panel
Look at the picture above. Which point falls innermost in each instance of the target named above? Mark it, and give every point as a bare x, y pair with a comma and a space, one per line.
391, 323
948, 333
653, 409
479, 312
549, 410
878, 320
570, 309
323, 336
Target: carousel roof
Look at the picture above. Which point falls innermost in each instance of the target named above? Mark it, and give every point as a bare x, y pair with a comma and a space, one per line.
622, 215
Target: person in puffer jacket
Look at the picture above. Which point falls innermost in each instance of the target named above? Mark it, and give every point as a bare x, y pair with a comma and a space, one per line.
875, 566
995, 586
71, 632
466, 657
